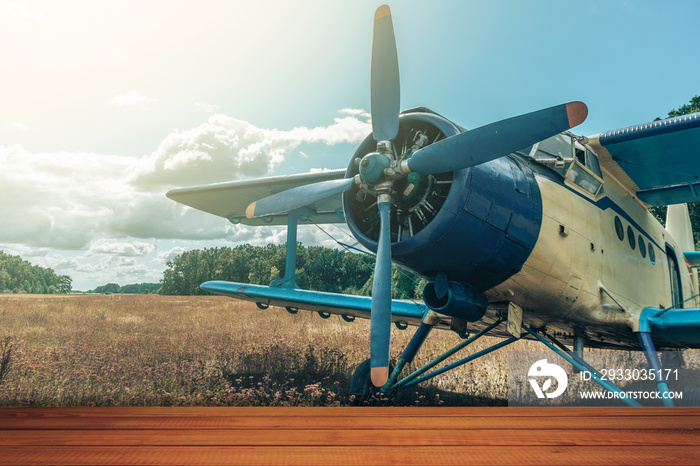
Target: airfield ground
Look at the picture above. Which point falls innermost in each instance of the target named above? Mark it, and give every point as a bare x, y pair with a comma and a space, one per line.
151, 350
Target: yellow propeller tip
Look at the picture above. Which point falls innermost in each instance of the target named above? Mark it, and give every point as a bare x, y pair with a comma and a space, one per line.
250, 211
576, 112
382, 11
379, 375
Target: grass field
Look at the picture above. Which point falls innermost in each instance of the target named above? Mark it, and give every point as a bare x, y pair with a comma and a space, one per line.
151, 350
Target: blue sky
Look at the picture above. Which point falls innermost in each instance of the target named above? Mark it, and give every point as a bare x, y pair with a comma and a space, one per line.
107, 105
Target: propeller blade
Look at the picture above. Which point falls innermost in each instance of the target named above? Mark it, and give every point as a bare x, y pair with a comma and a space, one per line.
385, 78
496, 139
380, 325
298, 197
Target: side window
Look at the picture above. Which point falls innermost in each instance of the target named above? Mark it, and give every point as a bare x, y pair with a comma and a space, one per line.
619, 229
592, 163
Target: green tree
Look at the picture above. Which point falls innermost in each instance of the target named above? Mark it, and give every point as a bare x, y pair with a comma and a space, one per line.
65, 284
691, 107
405, 284
108, 288
19, 276
318, 268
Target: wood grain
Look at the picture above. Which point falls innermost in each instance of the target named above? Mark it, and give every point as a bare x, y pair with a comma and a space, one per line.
352, 436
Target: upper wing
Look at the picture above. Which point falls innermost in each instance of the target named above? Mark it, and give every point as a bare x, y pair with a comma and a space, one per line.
659, 161
230, 199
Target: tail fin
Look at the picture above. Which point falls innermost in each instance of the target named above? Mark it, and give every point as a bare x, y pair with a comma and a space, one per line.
679, 227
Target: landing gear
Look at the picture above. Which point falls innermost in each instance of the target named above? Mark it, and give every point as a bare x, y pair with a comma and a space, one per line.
361, 387
360, 384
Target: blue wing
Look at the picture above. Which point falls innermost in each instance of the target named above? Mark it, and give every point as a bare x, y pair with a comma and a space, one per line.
408, 312
348, 306
659, 161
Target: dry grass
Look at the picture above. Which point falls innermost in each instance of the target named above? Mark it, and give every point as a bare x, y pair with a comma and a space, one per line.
150, 350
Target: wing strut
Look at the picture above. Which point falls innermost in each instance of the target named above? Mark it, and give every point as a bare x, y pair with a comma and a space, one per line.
290, 264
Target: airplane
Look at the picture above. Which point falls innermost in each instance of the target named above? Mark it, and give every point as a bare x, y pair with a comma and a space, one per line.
523, 229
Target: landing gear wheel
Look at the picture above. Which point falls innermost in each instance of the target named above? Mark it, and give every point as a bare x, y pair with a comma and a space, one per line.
360, 383
361, 387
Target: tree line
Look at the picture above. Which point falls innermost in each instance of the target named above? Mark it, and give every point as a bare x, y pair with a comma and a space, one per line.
20, 276
134, 288
317, 268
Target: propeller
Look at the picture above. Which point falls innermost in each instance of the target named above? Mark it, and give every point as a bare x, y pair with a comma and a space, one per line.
380, 325
463, 150
384, 95
495, 140
379, 170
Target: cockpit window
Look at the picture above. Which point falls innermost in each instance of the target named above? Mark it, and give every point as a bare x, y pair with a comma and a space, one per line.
570, 159
587, 159
555, 152
582, 176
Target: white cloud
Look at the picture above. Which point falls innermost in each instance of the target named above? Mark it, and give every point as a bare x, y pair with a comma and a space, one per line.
345, 129
209, 108
121, 248
89, 201
16, 10
60, 199
357, 112
132, 101
226, 148
221, 149
64, 264
14, 126
164, 256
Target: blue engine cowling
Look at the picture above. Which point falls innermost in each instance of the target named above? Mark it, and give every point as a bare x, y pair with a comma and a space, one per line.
477, 225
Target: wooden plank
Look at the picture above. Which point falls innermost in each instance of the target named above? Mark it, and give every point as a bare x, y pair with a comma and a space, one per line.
348, 437
377, 422
357, 436
318, 412
352, 456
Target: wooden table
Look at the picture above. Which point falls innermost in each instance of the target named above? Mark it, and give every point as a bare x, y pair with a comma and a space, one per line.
349, 436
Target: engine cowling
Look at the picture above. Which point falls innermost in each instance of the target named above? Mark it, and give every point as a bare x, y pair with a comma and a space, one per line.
476, 225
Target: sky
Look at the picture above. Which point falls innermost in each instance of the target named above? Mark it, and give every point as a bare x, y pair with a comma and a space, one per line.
105, 106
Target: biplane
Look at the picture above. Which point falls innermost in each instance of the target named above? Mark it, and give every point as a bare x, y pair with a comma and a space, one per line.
522, 229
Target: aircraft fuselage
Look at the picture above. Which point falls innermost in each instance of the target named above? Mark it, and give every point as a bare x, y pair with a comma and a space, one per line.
600, 258
544, 228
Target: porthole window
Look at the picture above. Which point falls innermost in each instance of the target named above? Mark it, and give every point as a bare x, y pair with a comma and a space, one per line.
618, 229
642, 247
652, 255
630, 237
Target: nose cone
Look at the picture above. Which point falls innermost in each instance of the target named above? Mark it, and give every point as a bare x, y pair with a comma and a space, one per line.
372, 167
